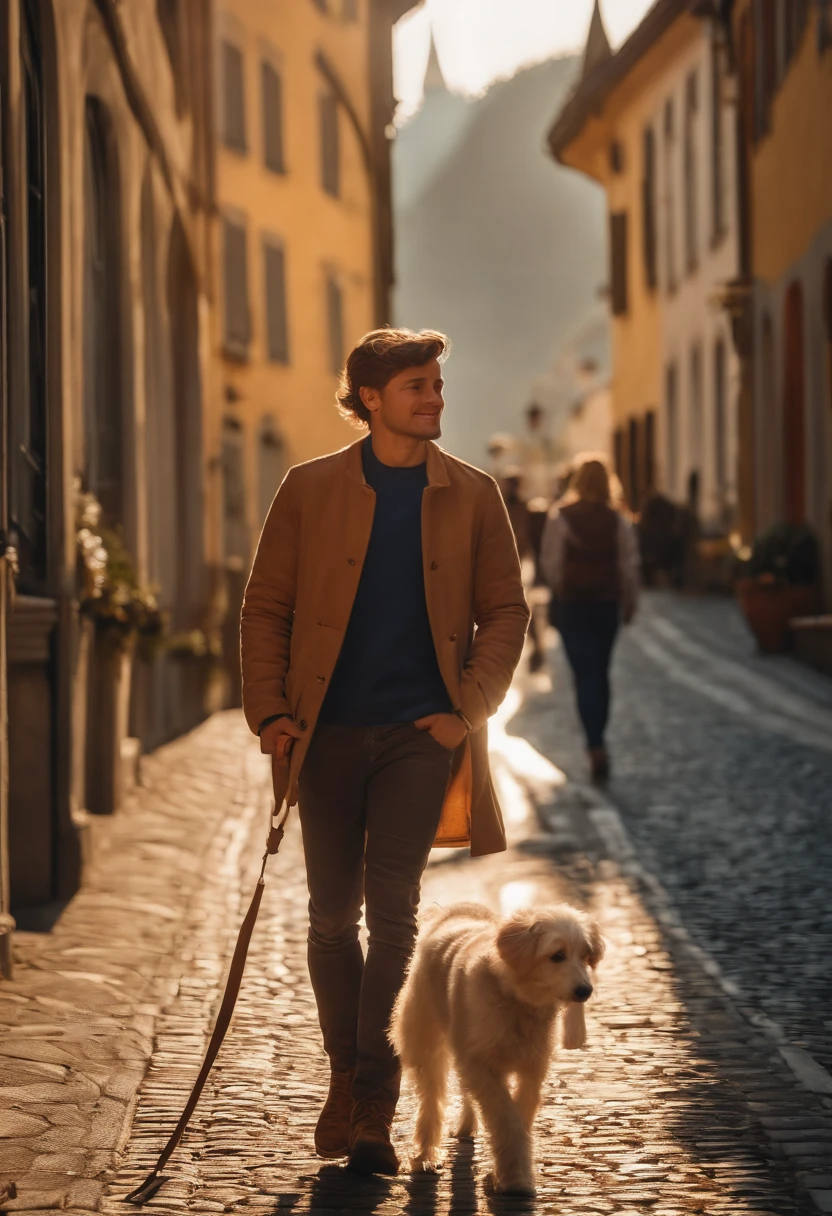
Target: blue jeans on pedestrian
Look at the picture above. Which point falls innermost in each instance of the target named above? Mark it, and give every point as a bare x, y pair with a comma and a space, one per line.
588, 633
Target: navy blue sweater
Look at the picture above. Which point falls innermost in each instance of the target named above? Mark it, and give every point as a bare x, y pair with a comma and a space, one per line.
387, 670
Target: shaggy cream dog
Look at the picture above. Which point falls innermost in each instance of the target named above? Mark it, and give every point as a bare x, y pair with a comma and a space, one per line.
484, 994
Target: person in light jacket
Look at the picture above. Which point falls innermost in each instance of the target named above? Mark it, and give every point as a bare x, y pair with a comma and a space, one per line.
382, 623
589, 558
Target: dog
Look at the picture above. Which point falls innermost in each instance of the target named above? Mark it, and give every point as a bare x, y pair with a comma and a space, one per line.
485, 994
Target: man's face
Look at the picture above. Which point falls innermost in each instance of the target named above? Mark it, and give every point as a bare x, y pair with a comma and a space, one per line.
411, 404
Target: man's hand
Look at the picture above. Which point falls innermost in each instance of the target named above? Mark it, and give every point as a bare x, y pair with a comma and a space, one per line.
277, 738
446, 729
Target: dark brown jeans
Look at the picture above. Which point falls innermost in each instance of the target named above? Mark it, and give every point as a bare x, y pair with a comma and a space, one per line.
370, 800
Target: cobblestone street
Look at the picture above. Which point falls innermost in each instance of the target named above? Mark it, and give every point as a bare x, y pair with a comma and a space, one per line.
684, 1101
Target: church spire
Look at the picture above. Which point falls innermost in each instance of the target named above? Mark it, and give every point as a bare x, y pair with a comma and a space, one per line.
597, 50
434, 78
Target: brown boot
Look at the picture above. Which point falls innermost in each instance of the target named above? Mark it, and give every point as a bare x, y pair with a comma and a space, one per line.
599, 763
332, 1134
370, 1149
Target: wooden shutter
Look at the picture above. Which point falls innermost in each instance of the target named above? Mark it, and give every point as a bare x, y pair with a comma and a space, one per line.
272, 88
335, 323
234, 112
330, 158
276, 323
618, 262
648, 203
235, 281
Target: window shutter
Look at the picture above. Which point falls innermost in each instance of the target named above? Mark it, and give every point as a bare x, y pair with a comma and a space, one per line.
649, 207
235, 274
618, 262
234, 114
272, 118
335, 323
276, 321
330, 166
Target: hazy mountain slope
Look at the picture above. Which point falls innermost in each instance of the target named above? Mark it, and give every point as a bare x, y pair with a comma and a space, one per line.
502, 248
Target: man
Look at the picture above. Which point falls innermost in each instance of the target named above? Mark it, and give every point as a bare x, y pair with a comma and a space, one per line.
382, 622
537, 456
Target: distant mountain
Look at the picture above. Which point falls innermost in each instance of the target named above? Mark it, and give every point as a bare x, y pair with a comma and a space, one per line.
495, 244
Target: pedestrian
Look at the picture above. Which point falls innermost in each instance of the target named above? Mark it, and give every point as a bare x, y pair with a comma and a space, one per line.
382, 623
537, 455
590, 561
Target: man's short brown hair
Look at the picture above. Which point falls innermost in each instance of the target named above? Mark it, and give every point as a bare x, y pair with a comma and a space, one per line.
378, 357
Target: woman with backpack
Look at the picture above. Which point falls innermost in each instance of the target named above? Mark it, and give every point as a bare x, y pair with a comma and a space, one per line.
589, 558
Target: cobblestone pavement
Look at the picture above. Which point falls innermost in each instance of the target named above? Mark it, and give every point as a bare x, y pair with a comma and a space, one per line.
677, 1106
722, 770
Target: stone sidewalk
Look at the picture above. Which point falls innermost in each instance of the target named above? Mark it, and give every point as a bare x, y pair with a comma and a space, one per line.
676, 1107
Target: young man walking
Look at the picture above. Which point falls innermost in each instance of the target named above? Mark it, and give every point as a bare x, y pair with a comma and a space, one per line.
382, 623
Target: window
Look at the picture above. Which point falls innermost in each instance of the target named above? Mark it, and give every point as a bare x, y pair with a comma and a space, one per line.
272, 87
695, 425
671, 418
648, 207
691, 215
29, 409
618, 453
235, 284
335, 323
102, 387
618, 262
272, 466
633, 454
669, 198
234, 110
235, 532
169, 15
276, 322
649, 451
717, 143
330, 151
720, 442
795, 13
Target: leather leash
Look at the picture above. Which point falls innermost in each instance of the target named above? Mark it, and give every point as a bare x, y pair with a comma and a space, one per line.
155, 1178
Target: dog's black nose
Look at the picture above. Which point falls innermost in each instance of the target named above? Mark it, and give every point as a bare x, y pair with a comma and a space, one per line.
583, 992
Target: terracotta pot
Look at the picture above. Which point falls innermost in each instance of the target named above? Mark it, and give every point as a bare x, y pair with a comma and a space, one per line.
769, 607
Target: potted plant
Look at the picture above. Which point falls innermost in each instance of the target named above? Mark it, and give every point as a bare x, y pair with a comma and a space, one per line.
777, 582
124, 618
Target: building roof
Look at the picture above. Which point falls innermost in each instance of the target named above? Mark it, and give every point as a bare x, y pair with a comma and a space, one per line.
434, 76
597, 49
398, 8
602, 72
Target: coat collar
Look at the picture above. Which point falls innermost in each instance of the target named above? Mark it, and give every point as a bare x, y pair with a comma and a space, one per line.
437, 469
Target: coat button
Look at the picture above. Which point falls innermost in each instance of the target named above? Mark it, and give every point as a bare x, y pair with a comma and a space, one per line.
321, 679
302, 724
351, 561
434, 565
452, 638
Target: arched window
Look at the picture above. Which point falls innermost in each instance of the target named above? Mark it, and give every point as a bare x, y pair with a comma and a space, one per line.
102, 315
170, 17
827, 324
272, 466
720, 424
28, 422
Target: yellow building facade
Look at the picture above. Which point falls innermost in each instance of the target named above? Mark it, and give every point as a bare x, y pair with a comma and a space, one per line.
303, 238
649, 123
783, 55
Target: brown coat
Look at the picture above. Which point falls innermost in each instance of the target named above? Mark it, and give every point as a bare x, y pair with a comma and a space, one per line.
301, 591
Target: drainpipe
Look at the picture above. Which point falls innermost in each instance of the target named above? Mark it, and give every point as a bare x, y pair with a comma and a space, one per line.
8, 562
